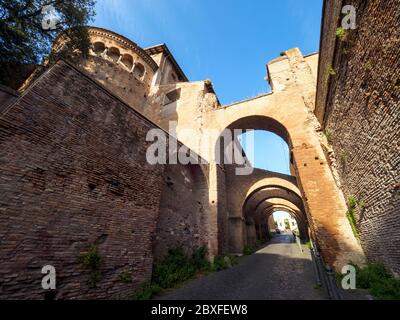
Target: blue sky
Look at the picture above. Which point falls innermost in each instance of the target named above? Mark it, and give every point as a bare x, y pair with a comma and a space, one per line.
226, 41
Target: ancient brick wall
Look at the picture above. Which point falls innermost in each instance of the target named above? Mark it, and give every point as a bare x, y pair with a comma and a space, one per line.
73, 174
362, 121
184, 206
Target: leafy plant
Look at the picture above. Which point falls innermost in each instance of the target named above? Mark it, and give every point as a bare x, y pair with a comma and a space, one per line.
352, 203
331, 71
341, 33
125, 277
219, 264
147, 291
174, 268
199, 259
352, 221
328, 134
178, 267
92, 260
248, 250
378, 281
24, 42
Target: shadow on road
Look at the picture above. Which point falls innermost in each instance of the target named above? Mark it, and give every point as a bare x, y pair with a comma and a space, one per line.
279, 271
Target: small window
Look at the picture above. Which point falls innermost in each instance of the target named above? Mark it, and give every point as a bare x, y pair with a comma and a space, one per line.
138, 71
172, 96
98, 48
113, 54
127, 61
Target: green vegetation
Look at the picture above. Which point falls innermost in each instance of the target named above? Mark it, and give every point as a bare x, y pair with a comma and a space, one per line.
368, 65
282, 54
352, 203
331, 71
341, 34
92, 260
248, 250
308, 244
178, 267
147, 291
328, 134
261, 242
224, 262
378, 281
125, 277
24, 42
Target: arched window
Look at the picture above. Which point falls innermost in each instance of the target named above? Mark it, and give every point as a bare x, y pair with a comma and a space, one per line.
138, 71
127, 61
113, 54
98, 48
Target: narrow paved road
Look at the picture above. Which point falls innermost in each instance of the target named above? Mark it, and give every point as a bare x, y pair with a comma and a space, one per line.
280, 271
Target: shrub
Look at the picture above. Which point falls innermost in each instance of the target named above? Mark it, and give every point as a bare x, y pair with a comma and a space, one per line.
92, 260
219, 264
147, 291
248, 250
352, 203
178, 267
378, 281
328, 135
199, 259
341, 33
331, 71
224, 262
125, 277
174, 268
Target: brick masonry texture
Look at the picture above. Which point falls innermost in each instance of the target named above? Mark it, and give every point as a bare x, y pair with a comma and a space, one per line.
74, 173
362, 116
182, 220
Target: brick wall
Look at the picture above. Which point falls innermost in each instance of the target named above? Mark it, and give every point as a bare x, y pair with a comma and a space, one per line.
362, 116
184, 206
74, 173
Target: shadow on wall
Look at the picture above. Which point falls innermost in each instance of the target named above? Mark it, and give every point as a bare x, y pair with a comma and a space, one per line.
184, 206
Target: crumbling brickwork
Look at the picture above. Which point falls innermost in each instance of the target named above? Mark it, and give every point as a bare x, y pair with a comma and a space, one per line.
362, 120
73, 174
184, 206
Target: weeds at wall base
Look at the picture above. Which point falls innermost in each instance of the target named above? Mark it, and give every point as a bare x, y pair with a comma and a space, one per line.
177, 267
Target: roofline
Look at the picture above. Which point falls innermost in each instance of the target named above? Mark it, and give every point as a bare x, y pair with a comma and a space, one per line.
123, 40
164, 48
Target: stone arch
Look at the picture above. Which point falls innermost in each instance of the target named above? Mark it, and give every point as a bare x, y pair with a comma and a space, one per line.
251, 122
127, 61
277, 204
265, 200
113, 54
98, 48
139, 71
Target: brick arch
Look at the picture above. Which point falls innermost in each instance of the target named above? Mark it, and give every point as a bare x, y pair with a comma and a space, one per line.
263, 200
275, 204
250, 122
255, 199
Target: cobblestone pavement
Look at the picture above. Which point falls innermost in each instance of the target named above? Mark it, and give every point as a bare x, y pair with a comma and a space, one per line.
279, 271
